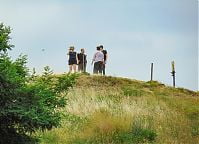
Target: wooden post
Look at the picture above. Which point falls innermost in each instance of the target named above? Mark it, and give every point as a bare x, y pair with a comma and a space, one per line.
83, 63
151, 71
173, 72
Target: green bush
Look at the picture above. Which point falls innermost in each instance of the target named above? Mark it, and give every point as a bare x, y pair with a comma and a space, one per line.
143, 135
65, 81
137, 135
28, 103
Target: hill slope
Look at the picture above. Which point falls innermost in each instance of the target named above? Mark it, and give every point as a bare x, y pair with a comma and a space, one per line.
110, 110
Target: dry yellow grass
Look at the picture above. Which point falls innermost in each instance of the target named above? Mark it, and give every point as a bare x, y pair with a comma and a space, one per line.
99, 107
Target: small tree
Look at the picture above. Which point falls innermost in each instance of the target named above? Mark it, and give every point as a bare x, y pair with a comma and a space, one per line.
25, 106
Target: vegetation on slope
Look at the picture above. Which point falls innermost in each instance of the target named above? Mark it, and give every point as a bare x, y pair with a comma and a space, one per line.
28, 103
109, 110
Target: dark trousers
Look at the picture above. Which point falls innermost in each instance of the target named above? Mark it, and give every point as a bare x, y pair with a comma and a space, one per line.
82, 67
103, 69
98, 67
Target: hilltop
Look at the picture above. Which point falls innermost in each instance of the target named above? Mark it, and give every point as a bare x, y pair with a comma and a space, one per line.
111, 110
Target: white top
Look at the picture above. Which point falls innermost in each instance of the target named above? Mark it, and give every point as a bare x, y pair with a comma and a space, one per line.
98, 56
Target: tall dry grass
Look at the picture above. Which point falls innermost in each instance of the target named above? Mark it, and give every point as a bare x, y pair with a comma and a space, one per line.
100, 108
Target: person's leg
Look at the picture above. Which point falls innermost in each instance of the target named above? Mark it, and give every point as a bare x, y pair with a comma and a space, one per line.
103, 69
100, 68
95, 68
74, 68
84, 67
80, 67
70, 68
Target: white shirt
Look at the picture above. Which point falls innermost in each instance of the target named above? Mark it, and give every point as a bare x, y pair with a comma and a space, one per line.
98, 56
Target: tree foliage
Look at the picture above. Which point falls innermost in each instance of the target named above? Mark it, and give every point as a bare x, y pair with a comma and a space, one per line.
5, 38
27, 103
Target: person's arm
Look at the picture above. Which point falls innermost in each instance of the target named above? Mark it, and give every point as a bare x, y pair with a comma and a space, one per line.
93, 58
68, 52
103, 59
68, 56
106, 57
77, 59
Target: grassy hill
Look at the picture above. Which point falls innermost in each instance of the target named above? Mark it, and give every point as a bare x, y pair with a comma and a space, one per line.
110, 110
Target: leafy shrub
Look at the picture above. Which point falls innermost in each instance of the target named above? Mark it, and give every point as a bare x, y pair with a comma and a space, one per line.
57, 83
64, 82
142, 135
135, 137
138, 134
27, 103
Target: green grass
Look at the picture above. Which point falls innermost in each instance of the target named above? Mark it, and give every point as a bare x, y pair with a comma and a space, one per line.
109, 110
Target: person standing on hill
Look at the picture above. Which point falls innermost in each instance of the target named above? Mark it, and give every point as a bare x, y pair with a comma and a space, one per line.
105, 58
73, 59
98, 58
82, 61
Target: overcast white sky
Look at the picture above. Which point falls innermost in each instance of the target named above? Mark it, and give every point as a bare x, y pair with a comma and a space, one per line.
134, 32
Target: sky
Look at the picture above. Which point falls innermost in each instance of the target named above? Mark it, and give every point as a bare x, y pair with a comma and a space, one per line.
135, 33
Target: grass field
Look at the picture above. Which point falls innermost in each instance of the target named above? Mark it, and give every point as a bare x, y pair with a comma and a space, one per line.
109, 110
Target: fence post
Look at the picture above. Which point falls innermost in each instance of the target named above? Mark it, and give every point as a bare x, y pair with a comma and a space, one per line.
173, 72
151, 71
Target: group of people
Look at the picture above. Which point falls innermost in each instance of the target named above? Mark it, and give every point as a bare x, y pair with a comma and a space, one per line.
80, 59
